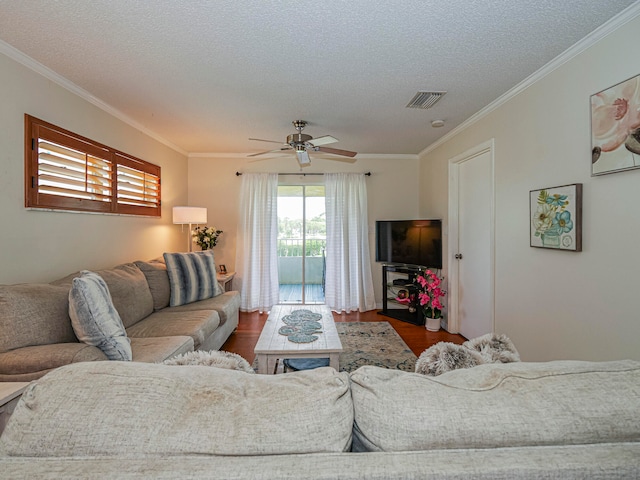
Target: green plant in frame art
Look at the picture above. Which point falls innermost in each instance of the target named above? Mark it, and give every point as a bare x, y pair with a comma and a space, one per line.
556, 217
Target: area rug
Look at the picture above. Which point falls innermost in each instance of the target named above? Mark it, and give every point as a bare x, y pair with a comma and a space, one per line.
372, 343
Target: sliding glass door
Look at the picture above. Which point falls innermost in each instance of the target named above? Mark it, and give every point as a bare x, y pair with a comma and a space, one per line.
301, 243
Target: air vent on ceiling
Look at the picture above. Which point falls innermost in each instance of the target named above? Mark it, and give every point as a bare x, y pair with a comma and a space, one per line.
425, 99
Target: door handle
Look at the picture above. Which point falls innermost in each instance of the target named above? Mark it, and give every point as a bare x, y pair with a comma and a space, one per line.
458, 256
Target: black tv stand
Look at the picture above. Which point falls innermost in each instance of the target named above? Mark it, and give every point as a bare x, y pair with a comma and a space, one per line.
400, 294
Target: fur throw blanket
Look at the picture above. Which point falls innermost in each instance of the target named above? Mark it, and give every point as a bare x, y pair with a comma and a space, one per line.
445, 356
214, 358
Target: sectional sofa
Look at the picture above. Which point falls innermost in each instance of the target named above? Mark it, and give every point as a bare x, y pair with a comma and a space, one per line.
557, 420
37, 336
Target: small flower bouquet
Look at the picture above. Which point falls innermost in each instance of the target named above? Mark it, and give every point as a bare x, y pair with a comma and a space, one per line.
205, 237
429, 293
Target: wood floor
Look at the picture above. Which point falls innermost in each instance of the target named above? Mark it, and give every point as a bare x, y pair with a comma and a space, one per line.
244, 340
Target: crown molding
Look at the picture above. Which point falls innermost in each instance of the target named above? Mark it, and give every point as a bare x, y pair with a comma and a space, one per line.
216, 155
359, 156
628, 14
49, 74
390, 156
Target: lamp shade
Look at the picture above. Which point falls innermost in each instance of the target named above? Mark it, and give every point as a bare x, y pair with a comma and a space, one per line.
186, 215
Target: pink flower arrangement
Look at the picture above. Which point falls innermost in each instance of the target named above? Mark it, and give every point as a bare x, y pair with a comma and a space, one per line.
429, 294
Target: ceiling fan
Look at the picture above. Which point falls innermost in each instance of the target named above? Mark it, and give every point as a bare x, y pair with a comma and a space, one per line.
302, 144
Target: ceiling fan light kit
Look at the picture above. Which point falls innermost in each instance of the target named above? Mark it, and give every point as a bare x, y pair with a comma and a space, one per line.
302, 144
303, 158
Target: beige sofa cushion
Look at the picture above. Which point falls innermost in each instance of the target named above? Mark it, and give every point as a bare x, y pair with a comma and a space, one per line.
198, 325
131, 408
497, 405
34, 314
29, 363
227, 305
159, 349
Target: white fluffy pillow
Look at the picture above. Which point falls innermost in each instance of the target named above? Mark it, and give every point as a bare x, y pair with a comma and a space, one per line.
94, 318
214, 358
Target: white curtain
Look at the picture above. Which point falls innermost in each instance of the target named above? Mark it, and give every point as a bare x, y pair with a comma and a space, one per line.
256, 250
349, 285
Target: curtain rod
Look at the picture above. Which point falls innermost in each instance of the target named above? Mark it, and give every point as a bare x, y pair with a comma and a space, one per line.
367, 174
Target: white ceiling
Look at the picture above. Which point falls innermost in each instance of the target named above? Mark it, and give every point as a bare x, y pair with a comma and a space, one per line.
207, 74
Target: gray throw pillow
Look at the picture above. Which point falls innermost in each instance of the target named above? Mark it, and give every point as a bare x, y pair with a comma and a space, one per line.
94, 318
192, 277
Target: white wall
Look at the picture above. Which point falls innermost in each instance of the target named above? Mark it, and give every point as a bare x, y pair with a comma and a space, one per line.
558, 304
392, 192
42, 246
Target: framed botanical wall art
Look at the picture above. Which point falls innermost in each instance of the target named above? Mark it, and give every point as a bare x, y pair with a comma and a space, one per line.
615, 128
555, 217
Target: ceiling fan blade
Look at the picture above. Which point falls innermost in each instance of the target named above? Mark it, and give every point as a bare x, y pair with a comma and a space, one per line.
336, 151
324, 140
262, 140
270, 151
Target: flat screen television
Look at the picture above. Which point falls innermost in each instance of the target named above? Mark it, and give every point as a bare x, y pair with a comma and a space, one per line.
409, 242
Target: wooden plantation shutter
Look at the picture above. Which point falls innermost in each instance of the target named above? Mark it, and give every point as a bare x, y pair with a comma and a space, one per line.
137, 186
64, 171
68, 174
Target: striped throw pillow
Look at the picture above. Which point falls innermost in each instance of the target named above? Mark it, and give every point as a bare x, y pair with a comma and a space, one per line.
192, 277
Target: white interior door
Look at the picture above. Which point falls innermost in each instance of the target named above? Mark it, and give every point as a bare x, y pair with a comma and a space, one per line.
471, 243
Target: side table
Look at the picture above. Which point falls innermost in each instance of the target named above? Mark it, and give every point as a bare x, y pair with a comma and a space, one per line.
10, 393
225, 280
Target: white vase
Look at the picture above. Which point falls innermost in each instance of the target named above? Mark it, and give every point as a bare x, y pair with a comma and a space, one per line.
433, 324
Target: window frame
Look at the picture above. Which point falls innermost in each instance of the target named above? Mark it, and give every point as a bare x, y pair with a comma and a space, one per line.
37, 130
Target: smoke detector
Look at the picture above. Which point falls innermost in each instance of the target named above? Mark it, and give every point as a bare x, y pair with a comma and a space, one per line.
424, 99
437, 123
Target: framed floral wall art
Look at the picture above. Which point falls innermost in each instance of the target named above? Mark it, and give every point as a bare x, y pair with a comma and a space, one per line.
615, 128
556, 217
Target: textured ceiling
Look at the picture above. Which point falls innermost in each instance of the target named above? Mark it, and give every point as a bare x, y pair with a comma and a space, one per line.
205, 75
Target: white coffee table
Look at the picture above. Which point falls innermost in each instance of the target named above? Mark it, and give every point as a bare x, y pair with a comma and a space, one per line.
272, 345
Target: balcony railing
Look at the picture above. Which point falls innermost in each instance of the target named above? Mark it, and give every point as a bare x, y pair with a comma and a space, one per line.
292, 247
290, 261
